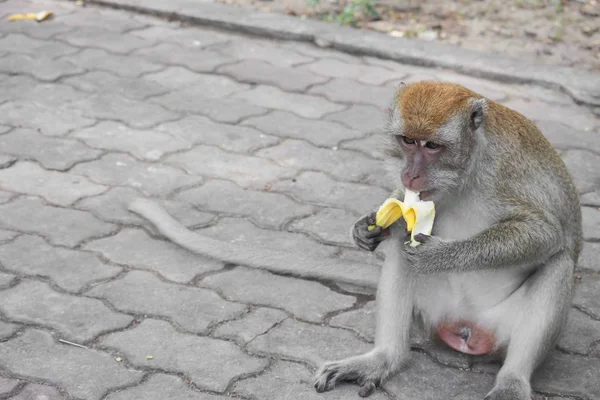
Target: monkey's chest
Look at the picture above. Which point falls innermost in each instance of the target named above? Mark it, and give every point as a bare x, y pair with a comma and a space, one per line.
466, 337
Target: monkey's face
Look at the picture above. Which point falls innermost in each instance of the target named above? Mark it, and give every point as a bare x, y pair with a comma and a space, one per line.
431, 141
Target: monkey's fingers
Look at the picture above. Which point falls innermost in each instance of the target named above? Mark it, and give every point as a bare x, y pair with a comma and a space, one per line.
367, 389
371, 218
374, 233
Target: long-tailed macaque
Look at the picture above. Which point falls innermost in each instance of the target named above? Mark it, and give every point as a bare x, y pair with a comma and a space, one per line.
495, 275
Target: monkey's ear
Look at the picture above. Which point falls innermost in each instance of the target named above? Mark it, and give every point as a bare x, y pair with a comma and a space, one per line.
478, 107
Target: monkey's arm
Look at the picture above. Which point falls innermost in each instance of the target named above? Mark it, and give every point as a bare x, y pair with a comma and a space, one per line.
524, 239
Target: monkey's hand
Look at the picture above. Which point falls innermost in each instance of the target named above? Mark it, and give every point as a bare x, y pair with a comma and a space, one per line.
428, 257
366, 239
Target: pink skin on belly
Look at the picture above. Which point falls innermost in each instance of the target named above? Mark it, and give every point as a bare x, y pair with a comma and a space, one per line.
466, 337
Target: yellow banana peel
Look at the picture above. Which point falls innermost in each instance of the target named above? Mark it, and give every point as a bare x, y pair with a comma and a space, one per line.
39, 17
419, 215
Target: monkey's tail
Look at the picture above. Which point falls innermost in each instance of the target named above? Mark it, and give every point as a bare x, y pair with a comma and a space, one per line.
327, 268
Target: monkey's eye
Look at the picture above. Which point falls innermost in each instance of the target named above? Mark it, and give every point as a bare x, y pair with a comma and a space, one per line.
432, 145
408, 140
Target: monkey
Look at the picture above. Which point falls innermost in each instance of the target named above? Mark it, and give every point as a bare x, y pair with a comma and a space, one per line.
495, 276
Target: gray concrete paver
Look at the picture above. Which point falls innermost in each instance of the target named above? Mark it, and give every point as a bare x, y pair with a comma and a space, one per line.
310, 301
84, 373
269, 143
141, 292
69, 269
221, 361
50, 152
136, 248
162, 387
78, 318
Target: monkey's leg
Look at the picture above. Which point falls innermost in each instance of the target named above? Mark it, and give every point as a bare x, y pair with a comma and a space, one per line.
394, 315
541, 314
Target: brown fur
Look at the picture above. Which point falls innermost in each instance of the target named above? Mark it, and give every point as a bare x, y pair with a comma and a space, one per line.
426, 106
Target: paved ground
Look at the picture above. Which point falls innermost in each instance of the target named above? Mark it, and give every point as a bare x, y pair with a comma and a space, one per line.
246, 140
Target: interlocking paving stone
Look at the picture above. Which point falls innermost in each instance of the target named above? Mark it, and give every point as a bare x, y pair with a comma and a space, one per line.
361, 117
201, 130
84, 373
172, 54
162, 387
344, 165
329, 225
314, 344
60, 225
256, 322
19, 43
133, 247
590, 256
45, 119
565, 137
361, 320
253, 71
177, 77
51, 152
371, 146
209, 363
264, 208
427, 380
294, 382
233, 230
219, 110
308, 300
144, 144
129, 66
6, 279
568, 375
23, 87
42, 68
134, 113
8, 384
56, 187
580, 333
105, 19
194, 309
7, 235
586, 294
300, 104
96, 81
35, 302
69, 269
319, 133
591, 199
115, 42
38, 392
189, 37
590, 218
123, 170
35, 30
246, 171
6, 161
205, 86
318, 188
333, 68
582, 165
7, 329
579, 117
262, 50
350, 91
112, 206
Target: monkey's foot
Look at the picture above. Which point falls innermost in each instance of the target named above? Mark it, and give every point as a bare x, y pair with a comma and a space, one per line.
510, 388
367, 370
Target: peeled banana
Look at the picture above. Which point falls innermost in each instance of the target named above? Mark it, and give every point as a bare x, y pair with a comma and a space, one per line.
419, 215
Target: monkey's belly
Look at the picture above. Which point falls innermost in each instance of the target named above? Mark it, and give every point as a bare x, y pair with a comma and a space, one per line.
466, 337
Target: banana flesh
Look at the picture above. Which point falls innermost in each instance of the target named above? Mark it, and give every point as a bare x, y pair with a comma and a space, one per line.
419, 215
